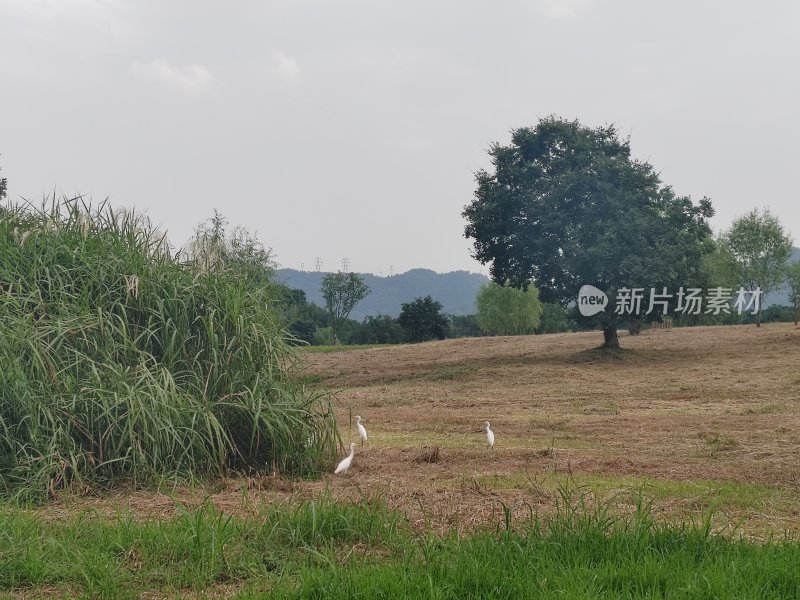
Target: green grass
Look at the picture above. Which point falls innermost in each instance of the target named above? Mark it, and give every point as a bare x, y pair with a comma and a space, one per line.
121, 359
322, 549
700, 495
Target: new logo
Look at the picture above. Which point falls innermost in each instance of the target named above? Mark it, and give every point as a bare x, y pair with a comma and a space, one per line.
591, 300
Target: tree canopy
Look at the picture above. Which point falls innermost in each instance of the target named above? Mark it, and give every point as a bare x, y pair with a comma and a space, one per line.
758, 248
422, 320
566, 205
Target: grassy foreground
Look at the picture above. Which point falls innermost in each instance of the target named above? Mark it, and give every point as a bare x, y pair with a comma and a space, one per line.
323, 549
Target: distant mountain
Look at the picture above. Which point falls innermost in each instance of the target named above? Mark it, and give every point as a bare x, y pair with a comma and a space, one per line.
455, 290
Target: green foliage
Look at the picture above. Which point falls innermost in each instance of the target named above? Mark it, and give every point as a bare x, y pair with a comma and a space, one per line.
463, 326
303, 318
719, 267
793, 281
118, 361
758, 248
554, 319
342, 291
504, 310
302, 331
773, 314
323, 336
348, 332
566, 205
381, 329
422, 320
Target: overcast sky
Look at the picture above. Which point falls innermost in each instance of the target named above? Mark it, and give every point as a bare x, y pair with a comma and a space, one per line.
353, 128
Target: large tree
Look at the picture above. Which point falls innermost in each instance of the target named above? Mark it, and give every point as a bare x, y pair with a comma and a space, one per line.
759, 248
504, 310
566, 205
342, 291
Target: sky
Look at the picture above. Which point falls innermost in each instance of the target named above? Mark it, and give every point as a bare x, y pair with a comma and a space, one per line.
352, 129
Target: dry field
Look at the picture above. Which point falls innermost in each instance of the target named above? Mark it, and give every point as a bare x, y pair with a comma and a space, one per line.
696, 419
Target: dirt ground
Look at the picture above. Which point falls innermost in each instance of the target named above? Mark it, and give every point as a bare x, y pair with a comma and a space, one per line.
695, 418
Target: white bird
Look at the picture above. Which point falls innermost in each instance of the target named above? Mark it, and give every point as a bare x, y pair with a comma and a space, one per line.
489, 434
347, 461
362, 433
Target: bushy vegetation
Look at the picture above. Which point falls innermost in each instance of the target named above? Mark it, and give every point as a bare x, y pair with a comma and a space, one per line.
325, 549
554, 319
504, 310
422, 320
118, 359
381, 329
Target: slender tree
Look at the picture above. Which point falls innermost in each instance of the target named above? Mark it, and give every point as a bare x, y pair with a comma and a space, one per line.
759, 248
342, 291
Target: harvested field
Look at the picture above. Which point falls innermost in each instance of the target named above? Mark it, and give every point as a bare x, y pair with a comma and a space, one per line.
696, 419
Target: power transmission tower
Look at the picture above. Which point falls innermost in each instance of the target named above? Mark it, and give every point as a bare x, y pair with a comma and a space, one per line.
345, 264
318, 263
302, 267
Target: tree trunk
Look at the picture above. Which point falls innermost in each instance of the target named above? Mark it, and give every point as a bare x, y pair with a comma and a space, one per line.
758, 316
610, 339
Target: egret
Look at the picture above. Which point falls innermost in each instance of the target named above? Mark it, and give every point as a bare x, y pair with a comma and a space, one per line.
347, 461
362, 433
489, 434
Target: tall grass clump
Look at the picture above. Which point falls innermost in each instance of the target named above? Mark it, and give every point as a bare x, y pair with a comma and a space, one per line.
121, 359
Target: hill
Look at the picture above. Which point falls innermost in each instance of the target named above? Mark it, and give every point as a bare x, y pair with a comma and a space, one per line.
455, 290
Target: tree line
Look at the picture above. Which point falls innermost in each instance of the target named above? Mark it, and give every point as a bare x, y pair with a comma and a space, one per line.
501, 311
